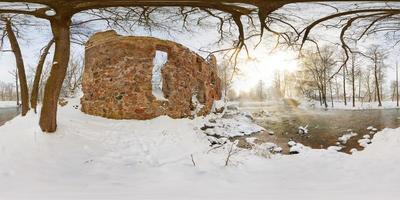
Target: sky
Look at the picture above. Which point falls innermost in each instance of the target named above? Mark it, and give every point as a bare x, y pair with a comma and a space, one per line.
261, 66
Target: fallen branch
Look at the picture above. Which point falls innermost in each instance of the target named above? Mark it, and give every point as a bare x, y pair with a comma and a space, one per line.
194, 163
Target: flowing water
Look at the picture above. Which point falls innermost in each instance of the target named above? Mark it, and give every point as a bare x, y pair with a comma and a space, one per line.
7, 114
325, 126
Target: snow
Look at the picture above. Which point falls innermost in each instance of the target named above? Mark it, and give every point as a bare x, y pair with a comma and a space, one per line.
372, 130
8, 104
344, 138
334, 148
366, 136
291, 143
158, 94
95, 158
298, 148
364, 142
50, 13
196, 104
271, 148
159, 61
251, 140
21, 6
230, 124
303, 130
338, 105
218, 105
353, 150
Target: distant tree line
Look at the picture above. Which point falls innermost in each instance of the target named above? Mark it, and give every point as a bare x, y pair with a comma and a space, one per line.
362, 79
9, 91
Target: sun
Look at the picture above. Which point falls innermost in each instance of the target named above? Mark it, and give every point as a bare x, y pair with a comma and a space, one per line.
277, 61
264, 66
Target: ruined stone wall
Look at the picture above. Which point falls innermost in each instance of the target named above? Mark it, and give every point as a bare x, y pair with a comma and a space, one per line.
118, 72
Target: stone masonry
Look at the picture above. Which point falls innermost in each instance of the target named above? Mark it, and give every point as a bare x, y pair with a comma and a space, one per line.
118, 73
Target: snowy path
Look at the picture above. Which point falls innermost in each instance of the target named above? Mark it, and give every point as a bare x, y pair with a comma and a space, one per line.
95, 158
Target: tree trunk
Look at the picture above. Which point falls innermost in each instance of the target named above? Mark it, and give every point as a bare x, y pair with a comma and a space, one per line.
16, 87
320, 98
225, 85
377, 84
397, 84
359, 86
20, 66
344, 86
369, 88
38, 75
330, 88
380, 77
324, 100
61, 31
353, 86
393, 93
337, 89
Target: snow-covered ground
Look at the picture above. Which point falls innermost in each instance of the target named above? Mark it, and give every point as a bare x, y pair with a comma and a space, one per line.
230, 124
95, 158
7, 104
340, 105
249, 105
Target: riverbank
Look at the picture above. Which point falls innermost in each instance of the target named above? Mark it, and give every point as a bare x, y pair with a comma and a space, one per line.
95, 158
8, 104
339, 105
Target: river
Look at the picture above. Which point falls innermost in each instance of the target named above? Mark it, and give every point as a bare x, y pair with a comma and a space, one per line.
7, 114
325, 126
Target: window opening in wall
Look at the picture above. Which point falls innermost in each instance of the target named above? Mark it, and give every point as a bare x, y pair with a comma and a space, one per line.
159, 61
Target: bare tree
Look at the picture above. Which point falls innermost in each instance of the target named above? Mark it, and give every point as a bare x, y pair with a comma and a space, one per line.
393, 89
377, 56
7, 91
73, 77
14, 73
354, 72
344, 69
360, 79
320, 65
9, 88
38, 74
9, 31
226, 73
397, 84
261, 90
368, 83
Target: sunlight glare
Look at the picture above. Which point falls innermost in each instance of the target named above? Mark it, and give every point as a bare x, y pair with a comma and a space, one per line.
263, 67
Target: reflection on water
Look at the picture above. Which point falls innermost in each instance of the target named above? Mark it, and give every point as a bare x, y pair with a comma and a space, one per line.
7, 114
325, 126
